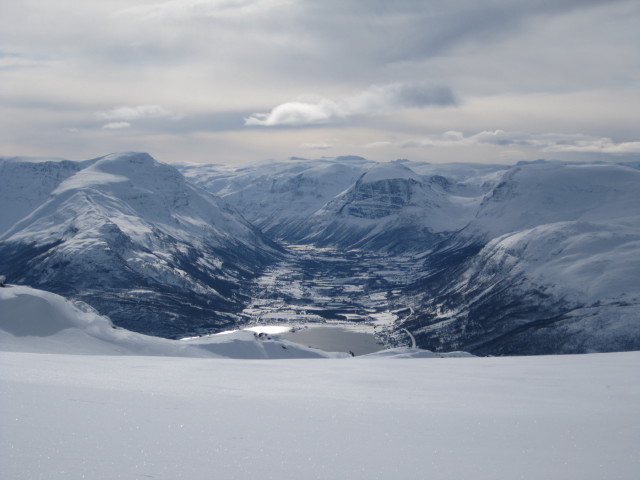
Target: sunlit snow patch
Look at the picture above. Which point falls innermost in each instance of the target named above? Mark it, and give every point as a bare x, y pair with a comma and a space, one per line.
269, 329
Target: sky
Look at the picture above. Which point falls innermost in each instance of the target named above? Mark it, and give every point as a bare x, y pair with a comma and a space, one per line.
236, 81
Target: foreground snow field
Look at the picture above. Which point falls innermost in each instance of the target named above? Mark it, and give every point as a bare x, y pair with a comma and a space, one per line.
129, 417
244, 406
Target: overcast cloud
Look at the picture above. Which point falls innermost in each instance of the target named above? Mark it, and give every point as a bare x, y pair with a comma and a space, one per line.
374, 100
243, 80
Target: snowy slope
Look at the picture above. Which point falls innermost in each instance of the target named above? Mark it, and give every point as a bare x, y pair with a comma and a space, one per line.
542, 193
557, 418
278, 196
551, 263
26, 183
132, 238
36, 321
455, 171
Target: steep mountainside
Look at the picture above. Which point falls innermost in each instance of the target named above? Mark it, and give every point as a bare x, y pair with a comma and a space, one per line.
550, 264
130, 237
26, 183
391, 208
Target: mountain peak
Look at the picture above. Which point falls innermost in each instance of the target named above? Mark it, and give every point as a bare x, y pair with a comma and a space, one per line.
389, 171
137, 167
127, 157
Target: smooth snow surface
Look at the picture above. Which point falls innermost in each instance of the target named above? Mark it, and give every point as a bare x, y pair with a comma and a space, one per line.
67, 417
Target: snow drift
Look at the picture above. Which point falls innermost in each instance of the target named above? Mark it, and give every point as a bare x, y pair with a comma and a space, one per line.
36, 321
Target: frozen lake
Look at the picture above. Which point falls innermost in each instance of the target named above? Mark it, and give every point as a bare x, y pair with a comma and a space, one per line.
334, 339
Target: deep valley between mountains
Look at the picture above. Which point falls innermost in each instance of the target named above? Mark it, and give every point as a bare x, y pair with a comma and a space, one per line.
534, 258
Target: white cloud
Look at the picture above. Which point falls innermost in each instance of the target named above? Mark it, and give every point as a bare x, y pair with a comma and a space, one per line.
135, 113
116, 125
600, 145
300, 113
317, 146
544, 142
376, 99
378, 145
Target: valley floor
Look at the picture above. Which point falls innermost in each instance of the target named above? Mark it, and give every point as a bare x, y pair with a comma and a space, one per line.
340, 287
97, 417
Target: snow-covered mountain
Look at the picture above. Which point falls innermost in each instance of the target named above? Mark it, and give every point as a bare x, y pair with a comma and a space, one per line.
135, 240
279, 196
26, 183
391, 208
350, 202
550, 264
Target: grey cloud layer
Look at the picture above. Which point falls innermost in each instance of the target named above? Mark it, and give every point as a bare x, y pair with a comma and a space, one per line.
376, 99
546, 142
397, 31
213, 73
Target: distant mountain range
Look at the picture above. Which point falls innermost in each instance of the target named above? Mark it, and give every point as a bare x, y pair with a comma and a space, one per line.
539, 257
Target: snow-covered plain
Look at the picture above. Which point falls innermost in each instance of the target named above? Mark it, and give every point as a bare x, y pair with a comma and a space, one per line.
129, 406
118, 417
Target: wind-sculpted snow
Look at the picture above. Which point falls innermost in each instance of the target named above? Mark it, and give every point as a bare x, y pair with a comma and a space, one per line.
407, 352
131, 237
36, 321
